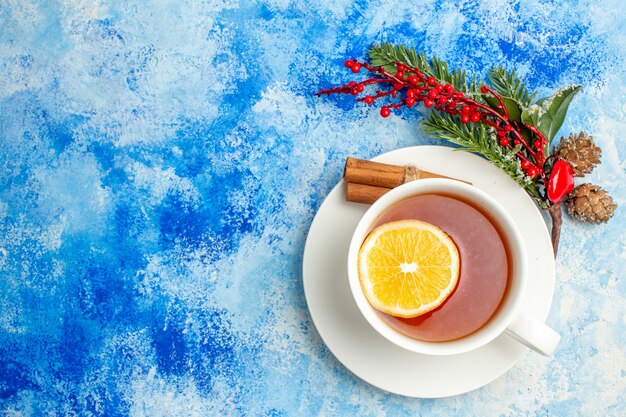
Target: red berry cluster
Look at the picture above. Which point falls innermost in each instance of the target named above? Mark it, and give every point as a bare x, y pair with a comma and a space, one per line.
418, 87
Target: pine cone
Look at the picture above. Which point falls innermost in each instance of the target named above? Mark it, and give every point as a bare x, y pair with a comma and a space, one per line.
590, 203
580, 151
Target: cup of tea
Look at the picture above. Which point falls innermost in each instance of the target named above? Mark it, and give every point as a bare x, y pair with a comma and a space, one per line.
492, 276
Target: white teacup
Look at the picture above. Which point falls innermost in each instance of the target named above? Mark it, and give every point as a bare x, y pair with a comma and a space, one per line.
507, 318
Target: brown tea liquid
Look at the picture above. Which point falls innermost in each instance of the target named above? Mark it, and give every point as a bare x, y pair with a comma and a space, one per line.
483, 274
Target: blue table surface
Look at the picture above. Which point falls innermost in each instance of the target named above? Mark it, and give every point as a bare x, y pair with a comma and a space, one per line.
161, 164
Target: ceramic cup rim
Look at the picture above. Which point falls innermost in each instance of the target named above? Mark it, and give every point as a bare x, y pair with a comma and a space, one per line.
516, 286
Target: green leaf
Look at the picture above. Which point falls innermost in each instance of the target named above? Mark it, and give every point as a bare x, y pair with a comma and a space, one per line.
548, 114
526, 134
530, 116
512, 106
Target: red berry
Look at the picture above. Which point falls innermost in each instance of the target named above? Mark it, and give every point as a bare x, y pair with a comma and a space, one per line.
439, 87
354, 91
508, 128
380, 70
532, 171
384, 111
428, 102
410, 101
356, 67
466, 109
401, 67
400, 75
432, 80
369, 99
459, 94
504, 141
442, 99
410, 93
475, 117
501, 133
465, 118
525, 164
359, 88
561, 181
517, 142
348, 63
537, 144
433, 93
352, 83
412, 79
484, 89
449, 89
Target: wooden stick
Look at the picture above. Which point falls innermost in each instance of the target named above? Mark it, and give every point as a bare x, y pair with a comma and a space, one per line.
362, 193
557, 221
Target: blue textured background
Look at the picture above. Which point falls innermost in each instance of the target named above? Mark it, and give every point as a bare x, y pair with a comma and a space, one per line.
161, 164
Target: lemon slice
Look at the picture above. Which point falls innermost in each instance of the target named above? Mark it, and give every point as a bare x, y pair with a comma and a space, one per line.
408, 267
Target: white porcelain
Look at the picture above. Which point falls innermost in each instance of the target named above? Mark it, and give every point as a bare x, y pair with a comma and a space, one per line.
372, 357
529, 331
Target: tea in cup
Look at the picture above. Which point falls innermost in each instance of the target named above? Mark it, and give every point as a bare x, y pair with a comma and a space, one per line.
489, 288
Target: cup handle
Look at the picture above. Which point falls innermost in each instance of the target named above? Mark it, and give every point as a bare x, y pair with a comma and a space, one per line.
534, 334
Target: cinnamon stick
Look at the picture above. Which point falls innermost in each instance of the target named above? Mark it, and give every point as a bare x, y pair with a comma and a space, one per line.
373, 166
361, 171
367, 181
362, 193
385, 179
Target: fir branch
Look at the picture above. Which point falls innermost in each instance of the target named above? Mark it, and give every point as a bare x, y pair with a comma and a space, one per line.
458, 77
484, 120
386, 55
478, 138
509, 84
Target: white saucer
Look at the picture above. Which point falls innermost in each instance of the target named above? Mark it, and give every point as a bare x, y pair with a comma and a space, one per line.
358, 346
